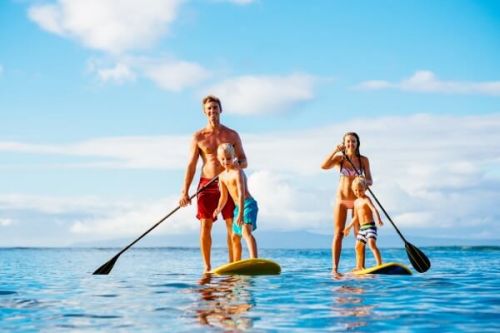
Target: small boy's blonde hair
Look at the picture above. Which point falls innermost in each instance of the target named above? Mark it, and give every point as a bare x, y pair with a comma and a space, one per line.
359, 181
226, 148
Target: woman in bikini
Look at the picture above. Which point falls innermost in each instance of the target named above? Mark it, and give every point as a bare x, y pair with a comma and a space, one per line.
345, 196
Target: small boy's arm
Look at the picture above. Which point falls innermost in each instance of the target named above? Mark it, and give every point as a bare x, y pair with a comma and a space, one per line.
222, 198
349, 227
380, 223
375, 212
240, 187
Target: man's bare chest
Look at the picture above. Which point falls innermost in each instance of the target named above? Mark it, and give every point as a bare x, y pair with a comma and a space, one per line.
209, 144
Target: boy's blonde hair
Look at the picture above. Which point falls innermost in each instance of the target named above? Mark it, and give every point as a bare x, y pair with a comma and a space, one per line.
359, 181
226, 148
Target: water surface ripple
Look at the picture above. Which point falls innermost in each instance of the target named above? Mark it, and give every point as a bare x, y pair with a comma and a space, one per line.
161, 289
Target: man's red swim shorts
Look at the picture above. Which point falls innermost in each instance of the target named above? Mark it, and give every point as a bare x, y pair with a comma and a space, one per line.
208, 199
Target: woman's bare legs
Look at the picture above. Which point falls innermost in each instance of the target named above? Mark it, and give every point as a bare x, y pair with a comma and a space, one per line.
360, 256
339, 218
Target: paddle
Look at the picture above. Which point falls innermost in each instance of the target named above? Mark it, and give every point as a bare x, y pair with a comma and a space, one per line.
108, 266
418, 259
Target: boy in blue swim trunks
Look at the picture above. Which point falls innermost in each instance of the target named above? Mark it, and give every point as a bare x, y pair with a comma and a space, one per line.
233, 181
364, 213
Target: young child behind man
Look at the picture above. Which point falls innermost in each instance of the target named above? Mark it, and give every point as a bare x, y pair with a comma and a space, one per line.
233, 181
364, 213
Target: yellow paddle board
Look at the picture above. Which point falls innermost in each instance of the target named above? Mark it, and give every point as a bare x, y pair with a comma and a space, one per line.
390, 268
257, 266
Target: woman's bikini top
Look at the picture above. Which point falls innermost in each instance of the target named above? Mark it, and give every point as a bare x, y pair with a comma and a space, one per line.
348, 172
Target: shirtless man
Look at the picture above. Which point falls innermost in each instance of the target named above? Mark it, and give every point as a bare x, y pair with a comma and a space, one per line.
204, 144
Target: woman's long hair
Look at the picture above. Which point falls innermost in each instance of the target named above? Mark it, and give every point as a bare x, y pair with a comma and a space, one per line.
354, 134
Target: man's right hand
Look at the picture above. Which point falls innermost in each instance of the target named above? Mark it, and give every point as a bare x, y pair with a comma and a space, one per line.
184, 200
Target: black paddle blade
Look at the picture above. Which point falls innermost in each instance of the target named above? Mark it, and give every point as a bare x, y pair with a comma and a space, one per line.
107, 267
418, 259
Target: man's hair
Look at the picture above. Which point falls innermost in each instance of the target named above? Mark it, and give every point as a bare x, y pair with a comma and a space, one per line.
211, 98
227, 148
359, 180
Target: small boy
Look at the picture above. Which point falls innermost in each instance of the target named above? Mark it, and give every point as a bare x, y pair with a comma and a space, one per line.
364, 211
233, 181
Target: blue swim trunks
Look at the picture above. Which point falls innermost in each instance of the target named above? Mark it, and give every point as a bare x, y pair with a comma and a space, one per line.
250, 210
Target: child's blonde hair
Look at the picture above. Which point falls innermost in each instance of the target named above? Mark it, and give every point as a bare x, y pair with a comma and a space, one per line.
226, 148
359, 181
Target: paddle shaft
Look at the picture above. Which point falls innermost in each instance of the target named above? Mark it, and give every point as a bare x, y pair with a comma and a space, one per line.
166, 217
378, 202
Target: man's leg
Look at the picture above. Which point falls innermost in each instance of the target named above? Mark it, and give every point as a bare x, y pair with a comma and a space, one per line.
206, 242
229, 230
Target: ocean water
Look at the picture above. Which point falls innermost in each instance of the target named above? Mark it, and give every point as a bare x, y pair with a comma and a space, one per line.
162, 290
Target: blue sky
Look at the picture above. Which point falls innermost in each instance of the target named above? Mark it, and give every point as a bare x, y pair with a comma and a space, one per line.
98, 100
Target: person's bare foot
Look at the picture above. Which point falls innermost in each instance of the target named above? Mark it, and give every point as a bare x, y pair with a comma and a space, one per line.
207, 270
336, 273
206, 278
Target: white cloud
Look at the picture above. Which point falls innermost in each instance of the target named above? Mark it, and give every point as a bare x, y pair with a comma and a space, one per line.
176, 75
5, 222
168, 74
285, 206
242, 95
123, 152
59, 205
109, 25
83, 219
263, 94
241, 2
427, 82
49, 17
301, 152
1, 70
136, 219
436, 175
120, 73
